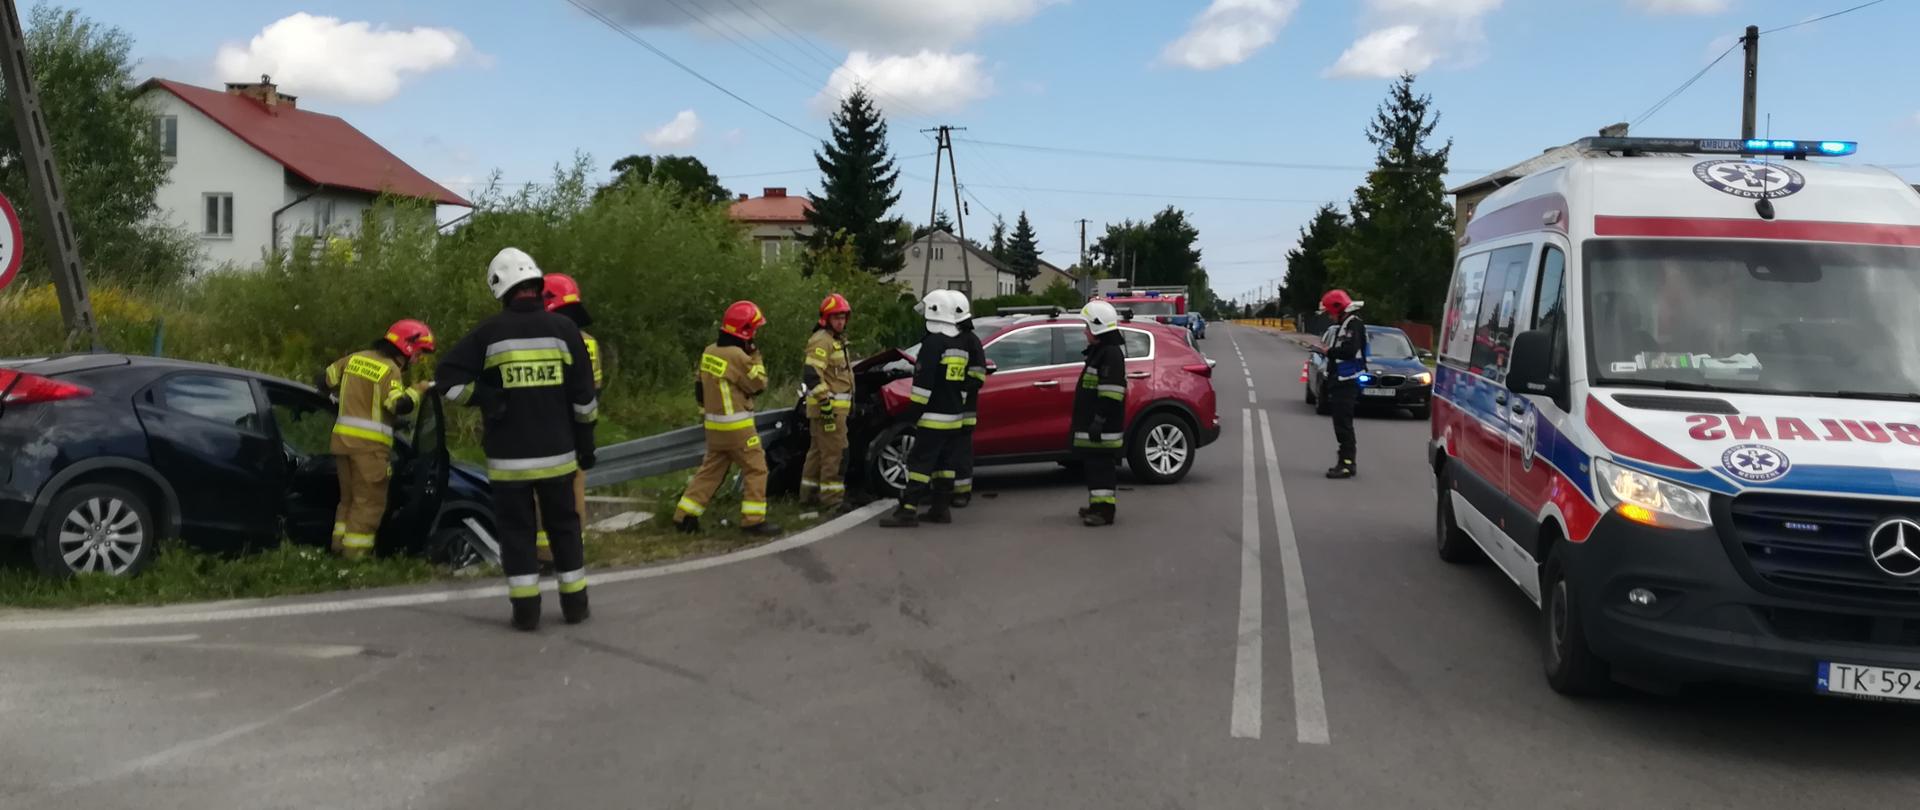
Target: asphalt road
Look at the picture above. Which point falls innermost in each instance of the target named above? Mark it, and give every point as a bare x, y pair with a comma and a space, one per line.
1014, 659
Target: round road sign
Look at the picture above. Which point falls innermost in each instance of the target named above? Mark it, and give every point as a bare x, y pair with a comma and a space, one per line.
12, 246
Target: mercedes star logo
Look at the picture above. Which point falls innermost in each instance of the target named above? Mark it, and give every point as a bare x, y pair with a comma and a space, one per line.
1895, 547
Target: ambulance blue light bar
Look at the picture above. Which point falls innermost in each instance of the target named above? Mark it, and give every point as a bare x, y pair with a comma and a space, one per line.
1716, 146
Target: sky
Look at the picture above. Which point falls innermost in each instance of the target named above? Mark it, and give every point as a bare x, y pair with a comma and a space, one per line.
462, 89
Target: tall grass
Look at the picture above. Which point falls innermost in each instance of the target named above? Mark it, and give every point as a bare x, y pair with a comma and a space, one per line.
657, 273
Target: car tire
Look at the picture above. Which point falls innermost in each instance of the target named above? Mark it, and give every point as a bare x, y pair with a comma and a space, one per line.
1309, 387
1571, 667
97, 528
1162, 450
456, 546
887, 460
1451, 541
1320, 405
1421, 413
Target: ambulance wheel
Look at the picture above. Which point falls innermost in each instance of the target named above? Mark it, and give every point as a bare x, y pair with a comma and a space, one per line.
1571, 667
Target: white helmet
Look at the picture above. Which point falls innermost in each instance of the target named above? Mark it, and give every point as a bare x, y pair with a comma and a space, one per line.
510, 268
939, 307
962, 308
1101, 317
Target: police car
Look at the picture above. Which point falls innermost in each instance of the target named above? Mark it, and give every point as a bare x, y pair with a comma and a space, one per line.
1677, 405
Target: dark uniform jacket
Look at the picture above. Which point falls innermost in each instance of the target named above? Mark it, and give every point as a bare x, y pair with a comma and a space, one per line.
939, 383
532, 377
1100, 402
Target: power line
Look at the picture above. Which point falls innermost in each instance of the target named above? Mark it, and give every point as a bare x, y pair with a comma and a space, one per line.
1824, 17
1259, 164
790, 29
742, 44
637, 39
1664, 101
1097, 193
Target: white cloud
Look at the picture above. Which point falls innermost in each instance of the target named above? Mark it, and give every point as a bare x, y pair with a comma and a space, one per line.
1681, 6
1229, 32
1383, 54
923, 82
873, 25
347, 61
676, 134
1414, 36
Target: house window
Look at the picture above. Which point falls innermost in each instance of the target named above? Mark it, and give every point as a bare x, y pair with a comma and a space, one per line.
219, 215
960, 286
939, 254
166, 133
769, 250
326, 217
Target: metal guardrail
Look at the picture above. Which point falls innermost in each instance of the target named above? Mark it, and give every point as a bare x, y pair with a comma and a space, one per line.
670, 451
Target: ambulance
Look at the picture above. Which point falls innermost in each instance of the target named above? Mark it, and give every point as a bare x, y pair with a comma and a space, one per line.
1678, 404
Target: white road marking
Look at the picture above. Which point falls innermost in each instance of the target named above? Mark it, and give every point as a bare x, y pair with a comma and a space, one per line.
1309, 702
268, 609
1251, 399
184, 637
1247, 687
621, 522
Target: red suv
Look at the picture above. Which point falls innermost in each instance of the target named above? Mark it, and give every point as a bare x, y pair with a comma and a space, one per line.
1034, 364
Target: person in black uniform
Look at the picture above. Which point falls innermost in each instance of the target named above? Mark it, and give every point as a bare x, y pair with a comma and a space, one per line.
530, 374
1100, 412
1346, 363
962, 467
937, 399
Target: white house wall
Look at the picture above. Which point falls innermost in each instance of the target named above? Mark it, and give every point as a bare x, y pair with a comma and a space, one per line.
212, 159
349, 209
947, 270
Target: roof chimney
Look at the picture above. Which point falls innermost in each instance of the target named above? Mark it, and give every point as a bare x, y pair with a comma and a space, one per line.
265, 92
775, 193
743, 196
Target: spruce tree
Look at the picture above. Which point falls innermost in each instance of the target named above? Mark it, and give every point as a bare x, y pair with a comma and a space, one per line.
858, 188
1307, 275
1023, 252
1398, 255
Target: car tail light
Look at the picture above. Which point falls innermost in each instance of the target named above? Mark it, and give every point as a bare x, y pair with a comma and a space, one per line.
18, 388
1201, 369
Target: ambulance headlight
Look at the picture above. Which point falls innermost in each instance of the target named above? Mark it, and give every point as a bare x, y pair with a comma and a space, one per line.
1650, 500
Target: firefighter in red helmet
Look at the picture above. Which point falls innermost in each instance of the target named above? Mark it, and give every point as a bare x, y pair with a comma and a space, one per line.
730, 375
828, 377
370, 386
562, 295
1346, 374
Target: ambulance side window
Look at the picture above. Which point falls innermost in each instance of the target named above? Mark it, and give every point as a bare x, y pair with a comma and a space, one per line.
1549, 305
1499, 303
1463, 309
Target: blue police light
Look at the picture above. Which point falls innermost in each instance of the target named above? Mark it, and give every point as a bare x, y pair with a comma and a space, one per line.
1787, 145
1715, 146
1366, 378
1759, 144
1838, 147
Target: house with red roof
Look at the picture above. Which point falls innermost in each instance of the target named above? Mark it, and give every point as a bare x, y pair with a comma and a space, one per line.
249, 171
776, 222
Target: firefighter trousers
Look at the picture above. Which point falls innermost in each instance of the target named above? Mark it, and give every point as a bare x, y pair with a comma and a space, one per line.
823, 474
542, 543
522, 507
929, 467
960, 462
363, 501
752, 462
1342, 397
1103, 481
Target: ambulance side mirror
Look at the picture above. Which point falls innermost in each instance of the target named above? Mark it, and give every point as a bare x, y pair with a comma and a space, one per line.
1530, 367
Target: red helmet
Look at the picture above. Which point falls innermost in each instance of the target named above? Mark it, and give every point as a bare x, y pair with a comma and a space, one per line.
560, 290
743, 319
1336, 301
834, 304
411, 337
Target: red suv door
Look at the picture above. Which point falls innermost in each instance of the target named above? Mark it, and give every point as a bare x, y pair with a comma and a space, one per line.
1027, 403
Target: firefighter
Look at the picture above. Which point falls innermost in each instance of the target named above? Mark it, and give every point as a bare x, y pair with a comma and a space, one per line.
562, 295
1100, 412
828, 377
731, 374
1346, 364
937, 400
529, 373
370, 388
961, 468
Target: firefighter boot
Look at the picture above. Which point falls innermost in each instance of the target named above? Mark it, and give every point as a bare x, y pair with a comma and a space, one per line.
902, 517
761, 529
1343, 470
961, 500
1098, 515
526, 613
688, 525
573, 607
942, 511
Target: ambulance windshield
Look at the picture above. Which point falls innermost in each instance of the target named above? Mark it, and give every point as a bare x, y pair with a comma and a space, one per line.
1761, 317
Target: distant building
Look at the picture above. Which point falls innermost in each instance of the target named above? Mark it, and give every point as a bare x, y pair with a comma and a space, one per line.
249, 171
990, 278
1051, 276
1467, 196
775, 221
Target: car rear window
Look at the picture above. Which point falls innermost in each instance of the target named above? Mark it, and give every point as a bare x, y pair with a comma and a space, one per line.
1139, 343
226, 400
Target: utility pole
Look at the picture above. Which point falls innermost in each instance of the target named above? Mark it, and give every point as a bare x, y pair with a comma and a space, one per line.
926, 270
1086, 279
43, 182
1750, 96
